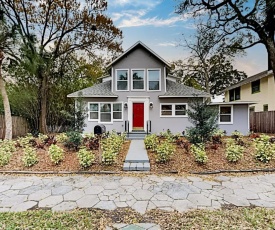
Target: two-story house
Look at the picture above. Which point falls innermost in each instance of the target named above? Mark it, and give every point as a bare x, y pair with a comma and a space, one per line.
259, 88
139, 95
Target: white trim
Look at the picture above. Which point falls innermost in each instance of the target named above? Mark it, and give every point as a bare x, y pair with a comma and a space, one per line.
173, 110
144, 76
113, 80
127, 80
164, 77
140, 99
112, 112
232, 112
148, 79
248, 119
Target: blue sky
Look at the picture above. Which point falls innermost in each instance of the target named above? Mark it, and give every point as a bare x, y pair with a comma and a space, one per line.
155, 24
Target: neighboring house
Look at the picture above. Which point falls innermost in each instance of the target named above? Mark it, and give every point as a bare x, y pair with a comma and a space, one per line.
140, 95
259, 88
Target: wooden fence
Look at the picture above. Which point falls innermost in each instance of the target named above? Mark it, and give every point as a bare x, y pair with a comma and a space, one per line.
19, 126
262, 122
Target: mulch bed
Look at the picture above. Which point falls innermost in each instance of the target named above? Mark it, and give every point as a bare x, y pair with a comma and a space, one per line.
181, 162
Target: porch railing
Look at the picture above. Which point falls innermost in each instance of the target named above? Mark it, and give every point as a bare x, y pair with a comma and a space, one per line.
148, 126
127, 127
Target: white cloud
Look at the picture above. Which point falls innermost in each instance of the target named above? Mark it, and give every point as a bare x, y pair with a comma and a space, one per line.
137, 20
165, 44
136, 3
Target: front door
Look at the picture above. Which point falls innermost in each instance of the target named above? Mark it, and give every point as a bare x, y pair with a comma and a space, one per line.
138, 116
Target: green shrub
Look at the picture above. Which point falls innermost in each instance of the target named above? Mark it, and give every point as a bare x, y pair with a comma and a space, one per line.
74, 140
7, 145
164, 151
27, 140
233, 151
56, 154
42, 137
4, 157
199, 153
30, 156
151, 142
108, 157
61, 137
265, 151
85, 157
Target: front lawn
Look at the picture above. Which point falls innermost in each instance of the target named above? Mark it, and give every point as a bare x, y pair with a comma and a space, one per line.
232, 218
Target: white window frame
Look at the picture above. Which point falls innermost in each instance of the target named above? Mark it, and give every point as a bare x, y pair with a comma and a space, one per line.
232, 112
127, 79
159, 69
132, 80
112, 112
174, 109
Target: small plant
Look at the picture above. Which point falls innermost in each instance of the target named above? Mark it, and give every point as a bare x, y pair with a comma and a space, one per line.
108, 157
42, 137
265, 151
217, 136
61, 137
199, 153
74, 140
233, 151
50, 140
56, 154
4, 157
30, 156
238, 137
7, 145
164, 152
85, 157
151, 141
27, 140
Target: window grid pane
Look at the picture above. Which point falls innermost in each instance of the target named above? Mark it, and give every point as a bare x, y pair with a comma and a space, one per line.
122, 80
154, 79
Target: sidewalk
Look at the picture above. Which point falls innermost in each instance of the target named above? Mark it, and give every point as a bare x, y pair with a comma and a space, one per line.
20, 193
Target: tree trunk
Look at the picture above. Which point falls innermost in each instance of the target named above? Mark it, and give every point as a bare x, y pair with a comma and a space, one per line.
7, 110
43, 104
271, 54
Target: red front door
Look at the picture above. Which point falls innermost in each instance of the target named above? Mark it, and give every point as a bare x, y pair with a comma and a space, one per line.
138, 116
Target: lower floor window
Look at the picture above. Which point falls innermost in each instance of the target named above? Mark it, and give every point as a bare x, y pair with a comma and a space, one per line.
226, 114
173, 110
105, 112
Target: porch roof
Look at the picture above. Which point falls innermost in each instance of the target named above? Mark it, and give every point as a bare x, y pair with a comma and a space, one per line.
174, 89
99, 90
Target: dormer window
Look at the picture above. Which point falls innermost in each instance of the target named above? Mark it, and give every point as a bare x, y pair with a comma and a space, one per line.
122, 83
153, 76
138, 77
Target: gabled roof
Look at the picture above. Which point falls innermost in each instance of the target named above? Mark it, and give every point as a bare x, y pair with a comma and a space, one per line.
99, 90
174, 89
248, 80
139, 43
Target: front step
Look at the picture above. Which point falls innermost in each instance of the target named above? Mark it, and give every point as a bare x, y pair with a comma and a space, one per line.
136, 135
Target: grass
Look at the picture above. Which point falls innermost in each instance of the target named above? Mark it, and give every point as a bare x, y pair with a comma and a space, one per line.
233, 218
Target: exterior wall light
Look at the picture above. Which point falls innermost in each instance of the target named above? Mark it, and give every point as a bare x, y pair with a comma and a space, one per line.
125, 105
151, 105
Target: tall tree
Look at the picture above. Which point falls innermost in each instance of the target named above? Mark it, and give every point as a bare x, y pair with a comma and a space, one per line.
52, 29
7, 36
209, 66
246, 23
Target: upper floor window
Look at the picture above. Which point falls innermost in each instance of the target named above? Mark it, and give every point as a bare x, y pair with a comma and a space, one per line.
226, 114
122, 83
138, 77
235, 94
255, 86
153, 79
265, 107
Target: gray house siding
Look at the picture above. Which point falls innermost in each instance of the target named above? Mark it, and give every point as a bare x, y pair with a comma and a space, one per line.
240, 120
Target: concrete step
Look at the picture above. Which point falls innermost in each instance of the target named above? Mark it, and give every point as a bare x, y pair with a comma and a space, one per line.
136, 135
136, 166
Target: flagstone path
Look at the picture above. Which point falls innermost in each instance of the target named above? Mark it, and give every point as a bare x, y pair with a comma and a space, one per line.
20, 193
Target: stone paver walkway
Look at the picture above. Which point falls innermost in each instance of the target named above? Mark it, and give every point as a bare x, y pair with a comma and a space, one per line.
20, 193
